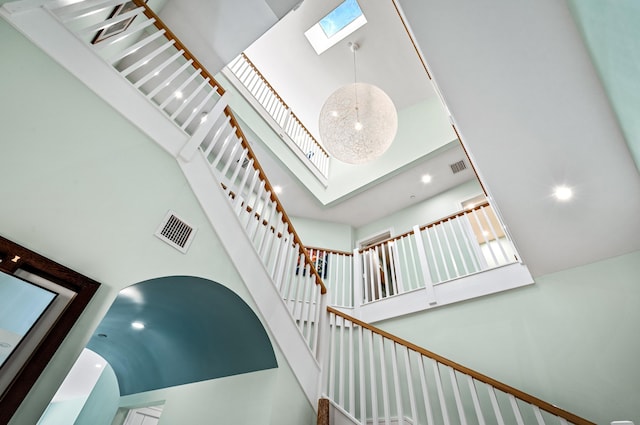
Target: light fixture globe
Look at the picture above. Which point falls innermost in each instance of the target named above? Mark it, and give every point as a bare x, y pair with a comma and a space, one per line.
357, 123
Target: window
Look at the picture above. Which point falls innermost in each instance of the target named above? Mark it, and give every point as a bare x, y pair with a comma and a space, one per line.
336, 25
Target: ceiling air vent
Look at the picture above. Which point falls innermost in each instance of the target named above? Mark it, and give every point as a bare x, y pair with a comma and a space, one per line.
458, 166
176, 232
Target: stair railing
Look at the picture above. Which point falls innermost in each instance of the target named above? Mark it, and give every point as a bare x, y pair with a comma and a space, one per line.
134, 40
267, 98
376, 377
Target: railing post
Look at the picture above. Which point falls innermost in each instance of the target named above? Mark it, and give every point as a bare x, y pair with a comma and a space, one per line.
323, 349
422, 256
357, 282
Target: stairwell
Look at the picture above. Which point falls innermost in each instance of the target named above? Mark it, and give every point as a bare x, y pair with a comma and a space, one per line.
368, 375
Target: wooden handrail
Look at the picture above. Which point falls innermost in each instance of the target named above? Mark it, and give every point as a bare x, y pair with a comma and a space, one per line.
274, 197
329, 250
528, 398
425, 226
257, 71
187, 54
239, 133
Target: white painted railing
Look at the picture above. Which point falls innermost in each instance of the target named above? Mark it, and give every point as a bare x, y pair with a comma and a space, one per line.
378, 378
286, 122
465, 243
462, 244
145, 53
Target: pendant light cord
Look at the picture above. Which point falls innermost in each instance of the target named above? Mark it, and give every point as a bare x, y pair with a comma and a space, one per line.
354, 48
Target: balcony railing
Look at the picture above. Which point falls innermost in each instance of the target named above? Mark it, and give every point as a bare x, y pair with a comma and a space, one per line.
463, 244
264, 97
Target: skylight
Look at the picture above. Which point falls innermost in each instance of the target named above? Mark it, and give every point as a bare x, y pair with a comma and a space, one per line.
335, 26
340, 17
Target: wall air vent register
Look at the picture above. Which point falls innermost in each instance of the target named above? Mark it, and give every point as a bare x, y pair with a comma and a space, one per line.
176, 232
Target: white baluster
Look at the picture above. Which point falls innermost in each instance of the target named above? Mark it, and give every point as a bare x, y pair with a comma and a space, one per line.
495, 405
332, 359
409, 380
439, 276
383, 379
424, 265
443, 257
362, 390
352, 391
372, 379
425, 390
516, 409
457, 244
443, 403
538, 415
474, 398
341, 373
396, 383
456, 396
360, 292
470, 250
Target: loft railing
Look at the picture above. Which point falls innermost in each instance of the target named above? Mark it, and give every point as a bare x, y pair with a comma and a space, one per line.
467, 242
462, 244
284, 119
132, 38
377, 378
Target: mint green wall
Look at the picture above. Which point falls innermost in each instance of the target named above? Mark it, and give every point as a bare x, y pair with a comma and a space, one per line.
102, 403
425, 212
570, 339
88, 189
612, 34
324, 234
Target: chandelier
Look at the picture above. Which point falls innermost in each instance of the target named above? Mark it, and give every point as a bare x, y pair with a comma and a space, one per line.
358, 121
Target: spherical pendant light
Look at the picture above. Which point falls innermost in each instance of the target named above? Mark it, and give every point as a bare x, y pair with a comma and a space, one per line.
358, 122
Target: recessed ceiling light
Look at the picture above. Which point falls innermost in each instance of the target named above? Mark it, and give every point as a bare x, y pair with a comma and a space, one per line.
137, 325
426, 179
178, 95
277, 189
562, 193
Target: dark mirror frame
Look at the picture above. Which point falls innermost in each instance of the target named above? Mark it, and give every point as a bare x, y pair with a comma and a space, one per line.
14, 257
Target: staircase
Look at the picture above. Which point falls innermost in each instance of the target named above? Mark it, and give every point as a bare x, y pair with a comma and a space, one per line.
369, 376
